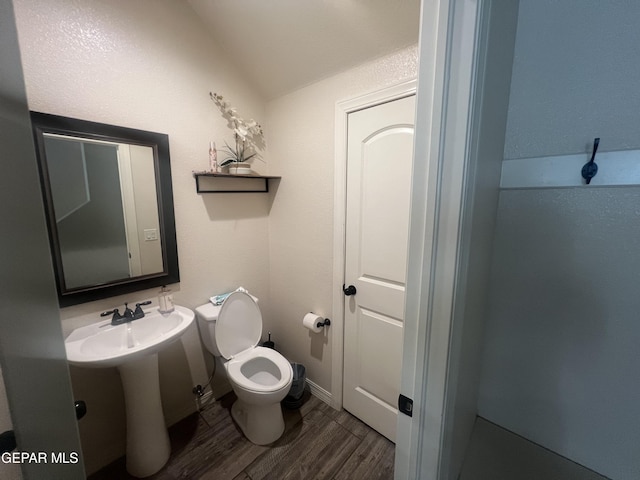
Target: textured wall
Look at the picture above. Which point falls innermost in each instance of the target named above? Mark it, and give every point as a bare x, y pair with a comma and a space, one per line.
560, 361
302, 129
561, 352
150, 64
575, 77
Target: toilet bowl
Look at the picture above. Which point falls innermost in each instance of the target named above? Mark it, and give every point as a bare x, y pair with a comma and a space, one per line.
260, 377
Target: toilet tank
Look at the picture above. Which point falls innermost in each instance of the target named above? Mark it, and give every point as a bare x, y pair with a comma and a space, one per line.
207, 316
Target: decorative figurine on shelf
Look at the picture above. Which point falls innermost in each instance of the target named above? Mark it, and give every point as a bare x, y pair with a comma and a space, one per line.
213, 158
248, 138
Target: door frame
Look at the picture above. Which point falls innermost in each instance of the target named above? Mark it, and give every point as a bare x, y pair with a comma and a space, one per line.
32, 354
128, 209
453, 32
342, 111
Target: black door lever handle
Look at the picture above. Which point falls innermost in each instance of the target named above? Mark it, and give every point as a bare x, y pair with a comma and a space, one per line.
350, 290
81, 409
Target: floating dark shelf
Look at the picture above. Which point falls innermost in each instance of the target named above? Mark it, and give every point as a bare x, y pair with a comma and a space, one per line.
229, 183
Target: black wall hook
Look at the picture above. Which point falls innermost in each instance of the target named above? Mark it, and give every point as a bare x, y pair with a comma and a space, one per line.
590, 168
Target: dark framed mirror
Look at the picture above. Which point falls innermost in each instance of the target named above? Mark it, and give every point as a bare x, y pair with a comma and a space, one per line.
109, 205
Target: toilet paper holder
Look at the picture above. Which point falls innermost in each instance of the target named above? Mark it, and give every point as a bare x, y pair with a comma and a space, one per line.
326, 323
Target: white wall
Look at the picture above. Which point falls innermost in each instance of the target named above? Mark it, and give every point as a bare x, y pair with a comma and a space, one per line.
573, 73
150, 64
301, 128
560, 363
561, 355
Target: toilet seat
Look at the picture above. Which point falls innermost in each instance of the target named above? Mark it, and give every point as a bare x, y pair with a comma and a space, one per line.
259, 370
239, 325
238, 330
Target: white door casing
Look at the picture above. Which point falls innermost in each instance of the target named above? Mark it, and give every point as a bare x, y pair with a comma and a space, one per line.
379, 165
343, 109
129, 210
451, 55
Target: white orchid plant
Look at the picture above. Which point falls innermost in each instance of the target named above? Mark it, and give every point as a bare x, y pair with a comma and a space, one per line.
248, 133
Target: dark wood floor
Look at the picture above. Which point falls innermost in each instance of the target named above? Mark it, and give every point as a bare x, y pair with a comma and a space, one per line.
319, 443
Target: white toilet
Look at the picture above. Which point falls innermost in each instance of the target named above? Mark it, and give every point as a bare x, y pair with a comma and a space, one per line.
260, 376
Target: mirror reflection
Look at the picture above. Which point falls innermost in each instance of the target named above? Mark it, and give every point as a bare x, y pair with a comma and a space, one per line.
106, 207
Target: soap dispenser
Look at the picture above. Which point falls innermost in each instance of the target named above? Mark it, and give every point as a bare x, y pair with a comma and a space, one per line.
165, 300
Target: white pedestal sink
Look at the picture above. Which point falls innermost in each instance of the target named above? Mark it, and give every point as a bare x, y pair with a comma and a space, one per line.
133, 348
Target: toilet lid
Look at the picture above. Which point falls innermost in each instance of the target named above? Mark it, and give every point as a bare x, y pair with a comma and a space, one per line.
239, 325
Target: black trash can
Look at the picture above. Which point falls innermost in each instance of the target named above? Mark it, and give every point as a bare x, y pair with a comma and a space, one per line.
294, 399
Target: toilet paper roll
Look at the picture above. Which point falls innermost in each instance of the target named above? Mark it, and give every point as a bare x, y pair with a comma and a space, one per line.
311, 321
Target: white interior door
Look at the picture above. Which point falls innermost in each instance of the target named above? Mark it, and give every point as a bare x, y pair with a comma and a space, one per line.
129, 209
379, 166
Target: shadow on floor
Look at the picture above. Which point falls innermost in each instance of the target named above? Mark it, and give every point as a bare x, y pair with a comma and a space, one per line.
318, 443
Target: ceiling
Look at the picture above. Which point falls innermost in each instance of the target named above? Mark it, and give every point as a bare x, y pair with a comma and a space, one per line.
282, 45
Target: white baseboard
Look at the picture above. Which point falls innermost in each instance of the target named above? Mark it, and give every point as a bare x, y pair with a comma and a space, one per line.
224, 388
320, 393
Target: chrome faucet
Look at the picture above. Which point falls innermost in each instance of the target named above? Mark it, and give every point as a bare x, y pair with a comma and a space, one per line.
128, 315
